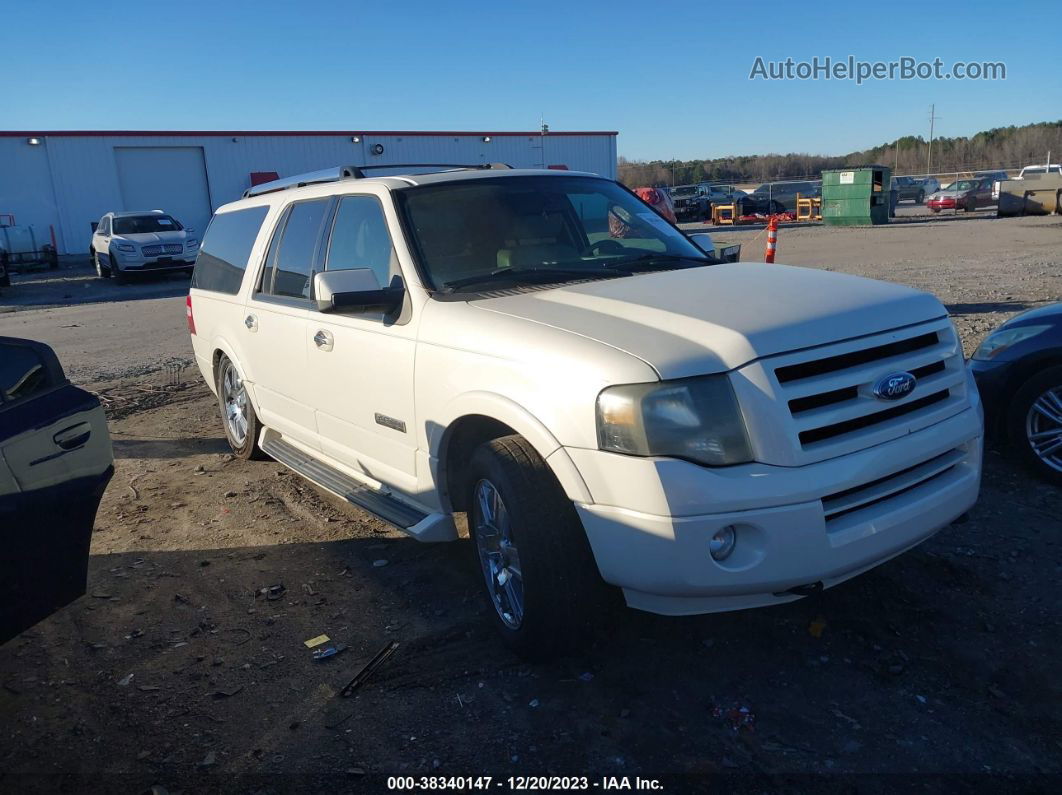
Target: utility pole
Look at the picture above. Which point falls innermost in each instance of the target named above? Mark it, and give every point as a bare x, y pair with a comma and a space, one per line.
932, 119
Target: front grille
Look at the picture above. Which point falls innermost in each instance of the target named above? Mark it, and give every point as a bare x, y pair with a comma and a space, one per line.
829, 390
829, 431
163, 248
833, 363
876, 492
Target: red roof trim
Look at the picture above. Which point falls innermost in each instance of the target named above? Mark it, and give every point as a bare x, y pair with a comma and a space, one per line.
237, 133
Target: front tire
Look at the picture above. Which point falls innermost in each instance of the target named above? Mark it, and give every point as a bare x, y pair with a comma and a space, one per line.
116, 272
101, 272
538, 571
241, 424
1034, 424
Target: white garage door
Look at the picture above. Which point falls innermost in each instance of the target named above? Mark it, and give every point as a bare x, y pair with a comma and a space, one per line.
170, 178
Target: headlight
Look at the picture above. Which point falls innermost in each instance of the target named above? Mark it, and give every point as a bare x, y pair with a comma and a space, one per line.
125, 246
998, 341
697, 419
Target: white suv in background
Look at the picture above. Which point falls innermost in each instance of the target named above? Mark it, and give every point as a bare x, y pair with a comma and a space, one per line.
141, 242
543, 352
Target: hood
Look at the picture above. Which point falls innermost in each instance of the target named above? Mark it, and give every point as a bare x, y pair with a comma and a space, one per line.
716, 318
147, 238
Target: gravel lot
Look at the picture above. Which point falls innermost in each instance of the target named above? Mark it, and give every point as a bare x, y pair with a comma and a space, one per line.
172, 672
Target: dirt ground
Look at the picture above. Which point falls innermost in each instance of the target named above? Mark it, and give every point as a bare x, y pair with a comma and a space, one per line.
175, 671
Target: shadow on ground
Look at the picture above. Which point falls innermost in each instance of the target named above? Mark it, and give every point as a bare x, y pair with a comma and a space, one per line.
175, 670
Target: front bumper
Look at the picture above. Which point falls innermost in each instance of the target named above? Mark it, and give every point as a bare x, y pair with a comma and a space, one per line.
995, 382
649, 523
135, 263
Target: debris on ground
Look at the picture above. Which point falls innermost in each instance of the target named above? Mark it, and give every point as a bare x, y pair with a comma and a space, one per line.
316, 641
816, 627
737, 716
328, 651
367, 670
272, 592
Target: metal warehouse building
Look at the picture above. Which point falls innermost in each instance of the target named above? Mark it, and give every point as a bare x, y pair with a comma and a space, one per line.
67, 180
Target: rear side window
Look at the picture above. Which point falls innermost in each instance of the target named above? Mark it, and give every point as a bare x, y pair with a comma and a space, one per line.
226, 248
23, 372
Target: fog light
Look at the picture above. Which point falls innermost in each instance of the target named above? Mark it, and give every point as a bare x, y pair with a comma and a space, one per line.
722, 543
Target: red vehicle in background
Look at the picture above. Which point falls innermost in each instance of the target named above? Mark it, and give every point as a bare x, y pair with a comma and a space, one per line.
963, 194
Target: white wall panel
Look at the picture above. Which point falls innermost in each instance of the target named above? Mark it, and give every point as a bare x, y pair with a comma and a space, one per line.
71, 180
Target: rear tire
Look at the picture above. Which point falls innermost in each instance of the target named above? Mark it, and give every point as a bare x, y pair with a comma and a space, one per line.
1028, 414
536, 542
238, 417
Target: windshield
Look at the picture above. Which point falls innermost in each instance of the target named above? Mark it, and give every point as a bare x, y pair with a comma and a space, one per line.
536, 230
144, 224
962, 184
685, 190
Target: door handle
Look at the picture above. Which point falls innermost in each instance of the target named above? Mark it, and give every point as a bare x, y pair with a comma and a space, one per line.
251, 322
323, 340
74, 436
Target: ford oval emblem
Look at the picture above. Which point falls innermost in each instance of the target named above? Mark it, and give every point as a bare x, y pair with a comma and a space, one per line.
895, 386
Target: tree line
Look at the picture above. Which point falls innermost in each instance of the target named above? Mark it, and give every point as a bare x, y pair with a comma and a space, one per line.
999, 148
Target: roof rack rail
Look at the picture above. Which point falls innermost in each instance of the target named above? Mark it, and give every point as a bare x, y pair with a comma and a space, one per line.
356, 172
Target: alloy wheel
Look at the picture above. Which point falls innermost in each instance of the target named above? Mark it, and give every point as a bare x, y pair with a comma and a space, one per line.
234, 401
498, 555
1043, 427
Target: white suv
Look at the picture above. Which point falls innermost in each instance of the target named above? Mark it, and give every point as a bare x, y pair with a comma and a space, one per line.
140, 242
542, 351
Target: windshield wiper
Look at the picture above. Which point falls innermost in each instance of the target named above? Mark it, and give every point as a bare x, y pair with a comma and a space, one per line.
537, 276
654, 260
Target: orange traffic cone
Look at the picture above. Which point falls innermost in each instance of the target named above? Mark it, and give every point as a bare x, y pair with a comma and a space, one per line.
772, 239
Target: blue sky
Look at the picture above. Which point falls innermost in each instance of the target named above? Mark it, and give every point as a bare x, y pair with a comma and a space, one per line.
671, 78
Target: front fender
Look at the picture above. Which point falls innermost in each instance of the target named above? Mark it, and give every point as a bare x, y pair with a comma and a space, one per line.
502, 409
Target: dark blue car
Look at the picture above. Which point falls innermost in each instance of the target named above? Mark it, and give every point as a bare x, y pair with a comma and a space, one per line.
1018, 369
55, 462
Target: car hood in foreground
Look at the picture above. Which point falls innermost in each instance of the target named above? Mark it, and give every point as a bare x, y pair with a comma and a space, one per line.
712, 319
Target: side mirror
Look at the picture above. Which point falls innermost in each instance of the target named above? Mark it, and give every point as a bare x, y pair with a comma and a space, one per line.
703, 241
355, 291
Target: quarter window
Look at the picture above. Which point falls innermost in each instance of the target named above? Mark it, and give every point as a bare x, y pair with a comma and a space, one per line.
226, 248
360, 239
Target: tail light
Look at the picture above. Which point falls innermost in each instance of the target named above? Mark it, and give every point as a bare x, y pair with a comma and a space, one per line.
188, 314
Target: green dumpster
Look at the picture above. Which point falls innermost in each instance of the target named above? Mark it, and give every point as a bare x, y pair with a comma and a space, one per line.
856, 196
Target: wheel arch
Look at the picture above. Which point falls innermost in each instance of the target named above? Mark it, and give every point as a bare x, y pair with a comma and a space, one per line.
1023, 371
479, 418
222, 347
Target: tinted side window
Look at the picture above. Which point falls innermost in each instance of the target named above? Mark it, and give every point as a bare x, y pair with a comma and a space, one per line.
22, 373
226, 247
290, 274
360, 239
105, 226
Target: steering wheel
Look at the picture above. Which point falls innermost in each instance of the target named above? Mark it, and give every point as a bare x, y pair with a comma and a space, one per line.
606, 246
